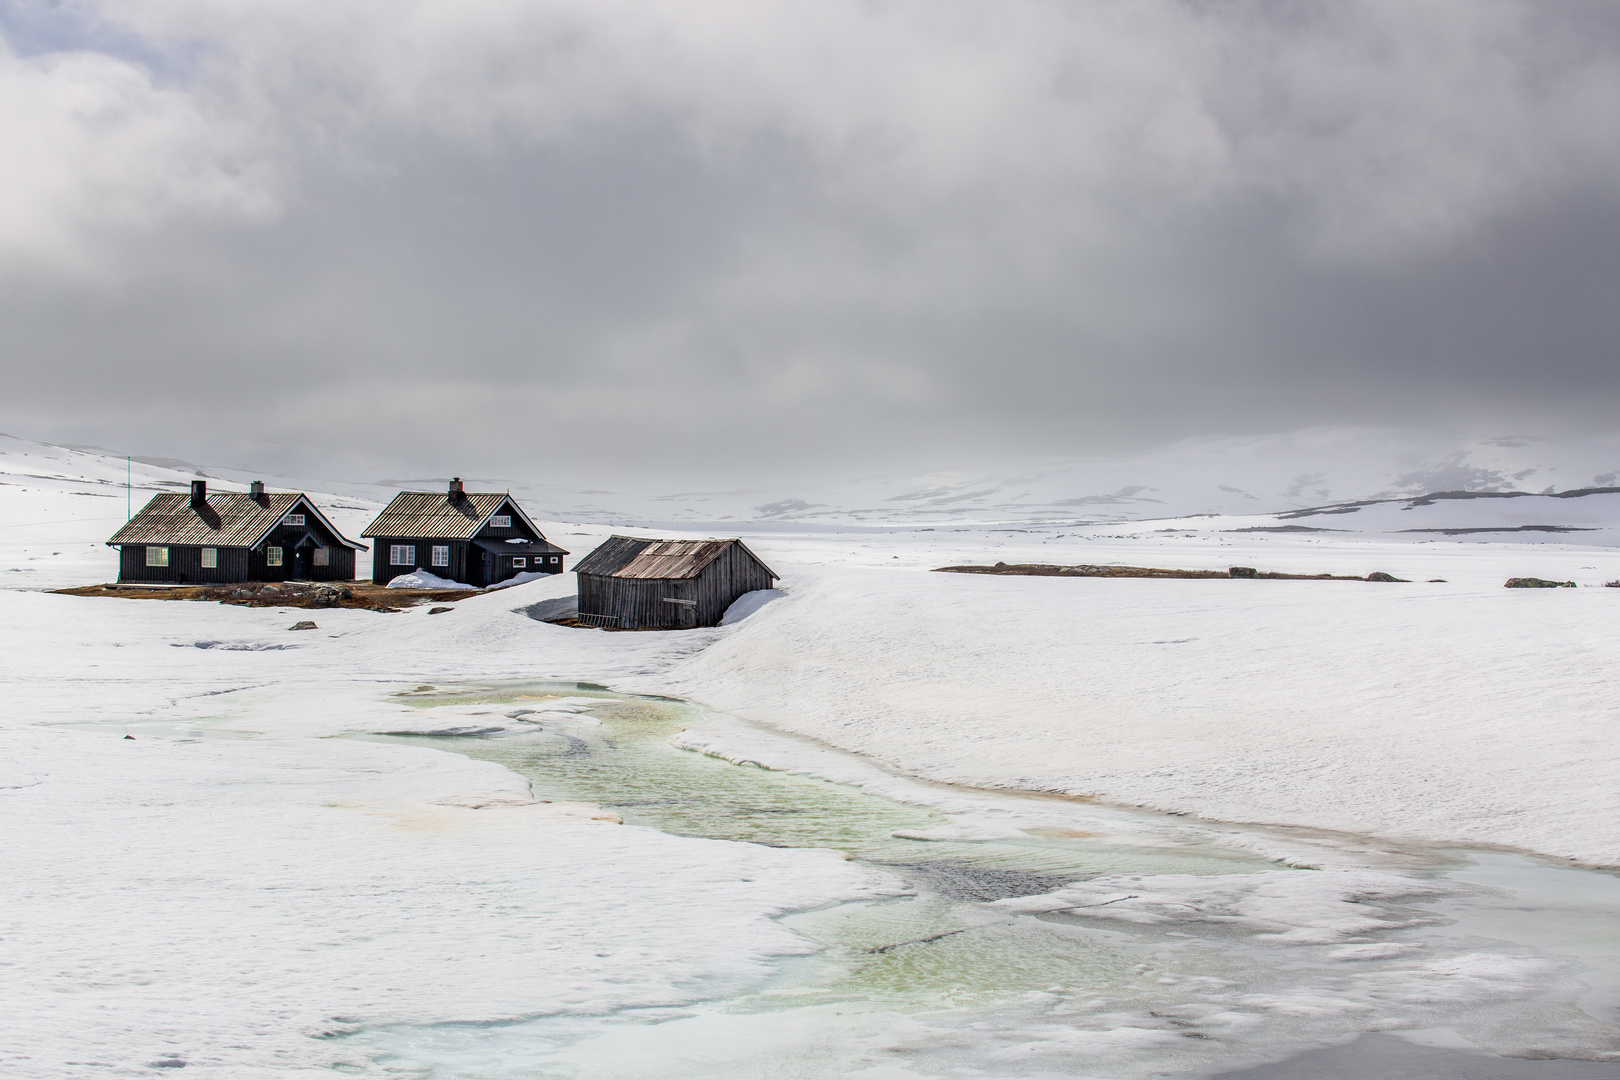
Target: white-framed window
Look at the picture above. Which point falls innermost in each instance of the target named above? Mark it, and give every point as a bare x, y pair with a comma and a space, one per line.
293, 519
441, 554
210, 558
272, 556
556, 558
501, 521
518, 562
402, 554
322, 557
157, 556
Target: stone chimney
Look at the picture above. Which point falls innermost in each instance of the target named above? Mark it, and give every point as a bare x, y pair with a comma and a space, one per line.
256, 491
199, 494
456, 490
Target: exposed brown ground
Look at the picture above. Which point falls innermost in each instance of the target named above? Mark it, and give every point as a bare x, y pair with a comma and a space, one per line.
1046, 570
362, 594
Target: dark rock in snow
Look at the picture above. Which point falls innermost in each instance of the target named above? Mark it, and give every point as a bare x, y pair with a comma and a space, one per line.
1242, 571
1379, 575
1537, 583
303, 624
439, 610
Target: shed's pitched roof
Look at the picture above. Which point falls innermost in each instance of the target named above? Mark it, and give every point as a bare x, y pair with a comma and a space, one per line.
232, 519
664, 560
431, 515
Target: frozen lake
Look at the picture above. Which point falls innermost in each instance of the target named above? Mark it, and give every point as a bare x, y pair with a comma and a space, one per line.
1035, 936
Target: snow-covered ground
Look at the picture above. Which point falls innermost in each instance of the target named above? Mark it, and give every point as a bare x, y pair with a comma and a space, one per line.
188, 896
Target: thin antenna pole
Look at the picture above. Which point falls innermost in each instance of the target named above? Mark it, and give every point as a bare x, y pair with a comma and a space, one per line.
129, 500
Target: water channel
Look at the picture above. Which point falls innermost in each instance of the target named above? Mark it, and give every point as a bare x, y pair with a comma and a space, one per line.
1043, 937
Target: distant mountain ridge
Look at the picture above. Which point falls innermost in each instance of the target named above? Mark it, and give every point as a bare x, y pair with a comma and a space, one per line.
1261, 481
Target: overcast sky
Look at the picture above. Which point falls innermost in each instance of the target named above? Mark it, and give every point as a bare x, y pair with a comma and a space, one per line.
727, 236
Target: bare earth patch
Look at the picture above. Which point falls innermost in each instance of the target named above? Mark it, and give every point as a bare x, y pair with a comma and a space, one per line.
1083, 570
298, 594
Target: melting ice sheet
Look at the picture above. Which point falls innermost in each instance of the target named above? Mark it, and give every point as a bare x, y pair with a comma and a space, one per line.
1036, 937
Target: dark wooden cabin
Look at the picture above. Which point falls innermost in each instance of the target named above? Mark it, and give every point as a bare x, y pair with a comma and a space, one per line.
633, 584
203, 539
476, 538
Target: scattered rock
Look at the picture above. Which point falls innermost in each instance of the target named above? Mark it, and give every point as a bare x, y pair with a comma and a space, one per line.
129, 736
243, 594
1242, 571
1537, 583
1611, 584
439, 610
331, 595
1379, 575
303, 624
1437, 581
269, 590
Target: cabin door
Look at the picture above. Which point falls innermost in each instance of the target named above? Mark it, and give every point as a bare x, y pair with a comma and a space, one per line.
489, 570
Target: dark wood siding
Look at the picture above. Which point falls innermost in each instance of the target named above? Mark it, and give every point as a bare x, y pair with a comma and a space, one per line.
460, 569
293, 538
516, 529
185, 566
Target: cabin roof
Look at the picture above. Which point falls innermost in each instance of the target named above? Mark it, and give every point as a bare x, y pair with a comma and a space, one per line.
232, 519
663, 560
528, 547
431, 515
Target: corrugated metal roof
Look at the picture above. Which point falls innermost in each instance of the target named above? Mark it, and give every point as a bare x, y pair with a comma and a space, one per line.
232, 519
664, 560
432, 516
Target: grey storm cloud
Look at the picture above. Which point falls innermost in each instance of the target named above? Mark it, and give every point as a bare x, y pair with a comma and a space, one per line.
638, 235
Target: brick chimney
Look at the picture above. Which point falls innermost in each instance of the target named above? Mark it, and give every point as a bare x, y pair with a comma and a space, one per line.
457, 492
199, 494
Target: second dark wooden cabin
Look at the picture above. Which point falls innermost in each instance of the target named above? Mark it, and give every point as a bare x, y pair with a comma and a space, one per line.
204, 539
633, 584
476, 538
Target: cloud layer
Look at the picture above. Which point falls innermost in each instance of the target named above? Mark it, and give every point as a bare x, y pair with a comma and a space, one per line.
582, 233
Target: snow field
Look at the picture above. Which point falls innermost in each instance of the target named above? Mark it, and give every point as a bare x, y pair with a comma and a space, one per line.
1456, 713
193, 896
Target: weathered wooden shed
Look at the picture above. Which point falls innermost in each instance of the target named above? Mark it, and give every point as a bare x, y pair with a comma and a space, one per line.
476, 538
232, 536
633, 583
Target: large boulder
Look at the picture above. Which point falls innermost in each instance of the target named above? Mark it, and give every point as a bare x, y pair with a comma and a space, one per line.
1537, 583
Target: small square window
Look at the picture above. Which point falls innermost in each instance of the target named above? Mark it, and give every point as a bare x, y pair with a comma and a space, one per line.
402, 554
210, 558
293, 519
157, 556
441, 554
555, 559
272, 556
519, 563
322, 557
